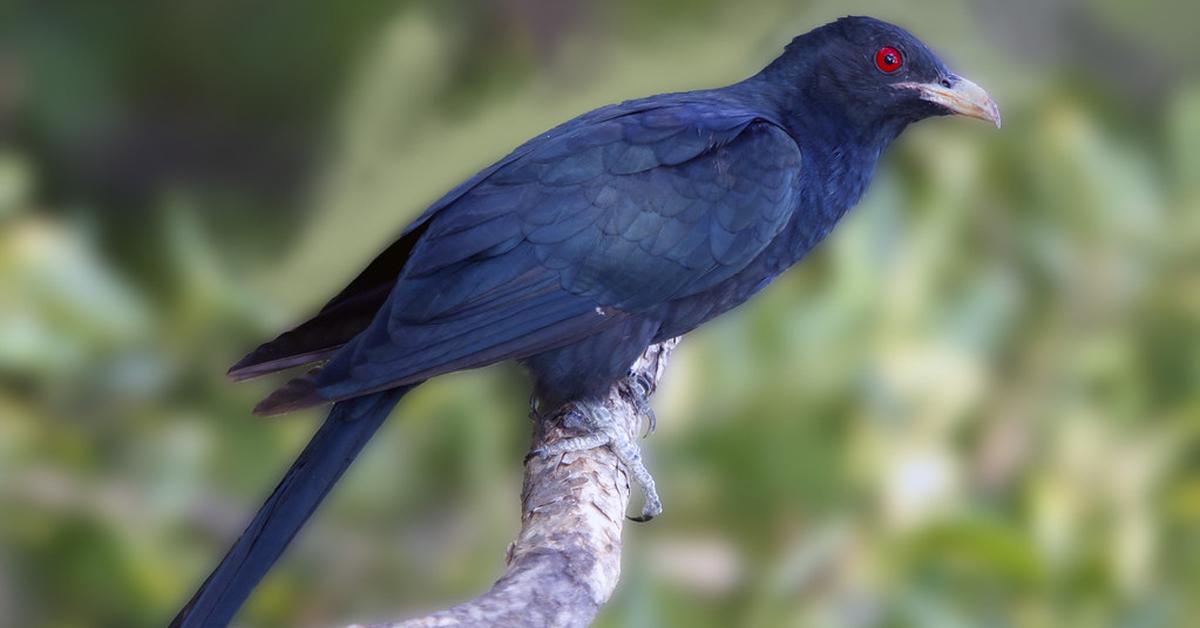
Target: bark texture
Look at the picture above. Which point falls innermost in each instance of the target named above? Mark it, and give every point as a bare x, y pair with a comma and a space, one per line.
565, 562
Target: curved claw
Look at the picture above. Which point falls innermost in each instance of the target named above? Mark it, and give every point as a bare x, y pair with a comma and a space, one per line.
650, 510
533, 406
641, 386
651, 421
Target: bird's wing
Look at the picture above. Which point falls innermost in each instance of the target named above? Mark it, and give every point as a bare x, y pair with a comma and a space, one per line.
352, 309
633, 211
585, 229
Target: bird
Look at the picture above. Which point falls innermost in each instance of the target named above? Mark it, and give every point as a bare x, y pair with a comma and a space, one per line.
626, 226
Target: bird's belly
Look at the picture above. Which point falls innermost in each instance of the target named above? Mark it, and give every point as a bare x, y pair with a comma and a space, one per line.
587, 368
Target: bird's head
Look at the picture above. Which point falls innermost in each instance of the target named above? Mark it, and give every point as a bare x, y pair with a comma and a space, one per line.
873, 71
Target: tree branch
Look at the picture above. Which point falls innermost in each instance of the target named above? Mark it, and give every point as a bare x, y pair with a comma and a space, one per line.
566, 560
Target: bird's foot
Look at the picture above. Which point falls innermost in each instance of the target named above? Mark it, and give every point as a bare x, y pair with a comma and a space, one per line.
601, 428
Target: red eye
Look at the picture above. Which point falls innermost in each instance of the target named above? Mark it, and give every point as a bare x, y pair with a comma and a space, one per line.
888, 59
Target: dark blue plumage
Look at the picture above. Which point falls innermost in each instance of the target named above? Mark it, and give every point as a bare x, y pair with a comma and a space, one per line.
626, 226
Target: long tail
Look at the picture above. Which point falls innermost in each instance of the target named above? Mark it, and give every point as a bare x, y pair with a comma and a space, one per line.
350, 425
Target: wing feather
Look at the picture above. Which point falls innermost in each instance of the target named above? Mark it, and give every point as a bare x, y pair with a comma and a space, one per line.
584, 229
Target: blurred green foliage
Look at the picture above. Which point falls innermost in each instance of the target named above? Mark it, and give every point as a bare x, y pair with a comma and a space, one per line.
976, 405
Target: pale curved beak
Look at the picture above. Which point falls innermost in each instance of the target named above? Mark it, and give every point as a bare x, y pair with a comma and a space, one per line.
962, 97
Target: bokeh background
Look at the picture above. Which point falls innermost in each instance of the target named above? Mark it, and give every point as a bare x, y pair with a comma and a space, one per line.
977, 404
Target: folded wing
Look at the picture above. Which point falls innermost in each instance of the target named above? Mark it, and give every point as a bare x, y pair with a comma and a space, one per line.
583, 228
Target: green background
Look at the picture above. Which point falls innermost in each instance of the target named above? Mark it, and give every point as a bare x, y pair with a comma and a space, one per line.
976, 404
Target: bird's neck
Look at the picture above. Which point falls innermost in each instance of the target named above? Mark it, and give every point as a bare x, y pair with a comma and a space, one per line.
839, 157
840, 144
840, 148
839, 160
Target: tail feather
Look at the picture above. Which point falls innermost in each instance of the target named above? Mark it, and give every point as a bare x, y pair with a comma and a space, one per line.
350, 425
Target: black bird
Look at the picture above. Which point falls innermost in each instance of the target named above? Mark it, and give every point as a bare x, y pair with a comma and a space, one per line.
626, 226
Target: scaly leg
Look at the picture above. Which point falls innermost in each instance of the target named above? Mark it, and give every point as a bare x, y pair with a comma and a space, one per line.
601, 428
